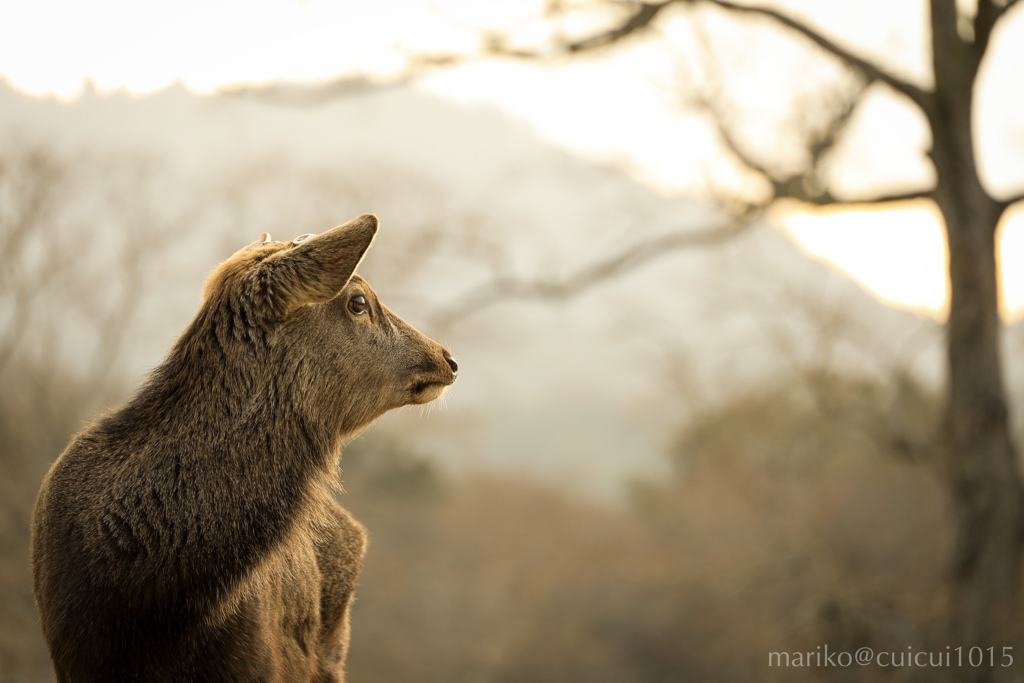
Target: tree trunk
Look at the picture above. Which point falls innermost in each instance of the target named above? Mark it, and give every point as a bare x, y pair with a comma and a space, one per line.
981, 460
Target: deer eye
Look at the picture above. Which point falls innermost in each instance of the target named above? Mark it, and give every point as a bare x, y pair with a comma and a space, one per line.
358, 305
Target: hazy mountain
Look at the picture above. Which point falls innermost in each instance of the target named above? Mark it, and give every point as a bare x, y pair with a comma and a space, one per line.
585, 390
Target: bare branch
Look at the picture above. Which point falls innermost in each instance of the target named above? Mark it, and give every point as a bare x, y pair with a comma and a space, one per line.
30, 180
637, 21
819, 138
646, 12
822, 140
806, 186
497, 45
711, 99
871, 71
508, 288
988, 14
302, 95
830, 199
984, 21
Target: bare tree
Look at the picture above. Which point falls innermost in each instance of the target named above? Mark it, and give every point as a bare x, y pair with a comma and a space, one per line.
505, 287
980, 460
80, 240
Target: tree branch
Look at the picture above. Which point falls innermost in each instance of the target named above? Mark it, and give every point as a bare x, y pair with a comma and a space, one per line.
302, 95
819, 138
988, 15
640, 19
984, 21
646, 12
871, 71
1005, 7
508, 288
828, 199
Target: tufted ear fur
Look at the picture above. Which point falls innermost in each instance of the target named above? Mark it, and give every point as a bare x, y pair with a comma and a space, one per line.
317, 268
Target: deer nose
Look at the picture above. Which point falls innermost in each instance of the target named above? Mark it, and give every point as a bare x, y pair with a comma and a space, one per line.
451, 363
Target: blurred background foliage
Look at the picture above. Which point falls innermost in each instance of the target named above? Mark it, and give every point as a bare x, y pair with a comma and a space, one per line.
800, 512
795, 516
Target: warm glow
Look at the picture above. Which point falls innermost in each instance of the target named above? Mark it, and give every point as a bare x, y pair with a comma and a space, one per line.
52, 46
621, 110
899, 253
1011, 255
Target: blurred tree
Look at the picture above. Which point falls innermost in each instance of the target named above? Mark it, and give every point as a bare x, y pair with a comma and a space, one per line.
980, 460
794, 519
800, 497
80, 239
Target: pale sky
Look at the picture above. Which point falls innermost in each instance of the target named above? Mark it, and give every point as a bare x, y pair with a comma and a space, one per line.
622, 108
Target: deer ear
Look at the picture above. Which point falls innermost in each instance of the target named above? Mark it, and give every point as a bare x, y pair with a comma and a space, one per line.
316, 268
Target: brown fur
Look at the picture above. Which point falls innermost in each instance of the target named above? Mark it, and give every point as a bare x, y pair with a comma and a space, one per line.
192, 535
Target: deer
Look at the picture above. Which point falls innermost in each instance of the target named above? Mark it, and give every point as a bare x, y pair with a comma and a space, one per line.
194, 533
